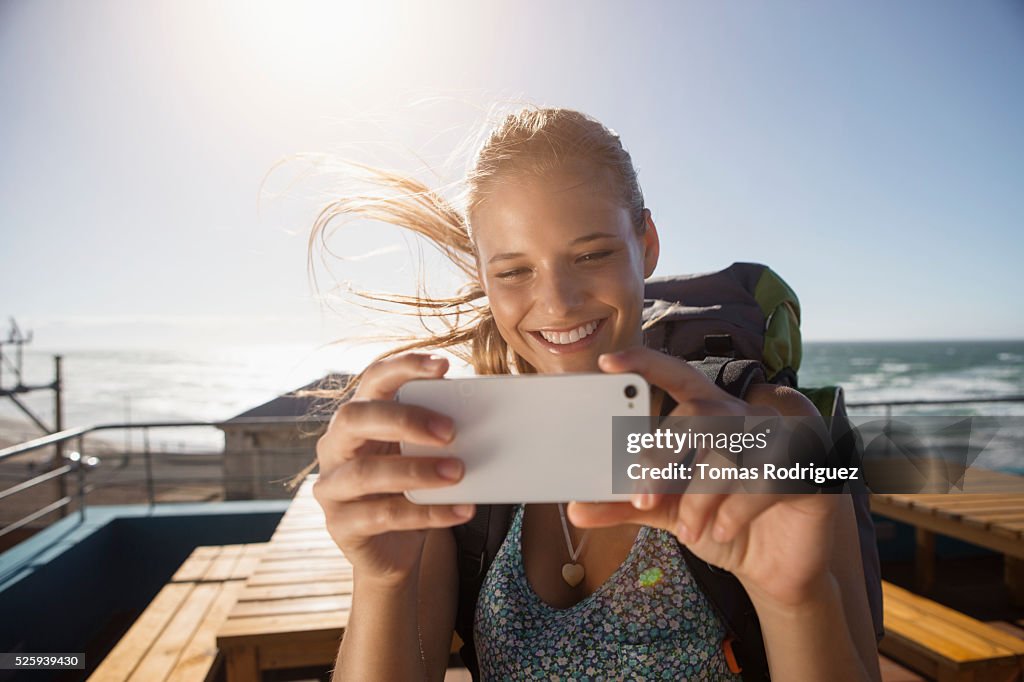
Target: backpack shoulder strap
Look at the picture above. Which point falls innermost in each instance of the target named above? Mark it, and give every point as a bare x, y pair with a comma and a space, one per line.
733, 375
730, 601
722, 589
477, 542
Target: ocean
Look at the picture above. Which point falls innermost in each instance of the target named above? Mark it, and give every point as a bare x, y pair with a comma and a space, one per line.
217, 384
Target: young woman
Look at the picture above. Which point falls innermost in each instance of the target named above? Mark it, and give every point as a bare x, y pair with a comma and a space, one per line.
557, 241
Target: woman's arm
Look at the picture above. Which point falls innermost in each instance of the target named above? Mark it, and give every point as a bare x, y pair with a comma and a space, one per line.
830, 635
403, 631
402, 554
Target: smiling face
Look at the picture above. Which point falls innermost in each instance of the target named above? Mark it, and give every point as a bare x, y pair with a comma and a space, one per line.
563, 267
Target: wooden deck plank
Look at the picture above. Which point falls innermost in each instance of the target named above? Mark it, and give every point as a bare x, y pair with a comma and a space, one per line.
248, 561
304, 553
265, 579
164, 654
293, 590
123, 659
296, 605
284, 564
1008, 542
223, 566
265, 628
914, 622
196, 565
198, 660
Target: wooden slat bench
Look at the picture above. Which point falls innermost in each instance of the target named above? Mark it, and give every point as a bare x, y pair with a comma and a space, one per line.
175, 637
944, 644
294, 607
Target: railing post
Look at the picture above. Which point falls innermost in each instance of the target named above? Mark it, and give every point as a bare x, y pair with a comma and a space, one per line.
81, 479
888, 430
58, 418
149, 465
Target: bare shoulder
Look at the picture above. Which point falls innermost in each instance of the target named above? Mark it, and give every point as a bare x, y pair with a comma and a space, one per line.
788, 401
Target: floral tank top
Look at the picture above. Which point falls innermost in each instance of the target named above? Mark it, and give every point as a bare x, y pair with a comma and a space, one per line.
648, 621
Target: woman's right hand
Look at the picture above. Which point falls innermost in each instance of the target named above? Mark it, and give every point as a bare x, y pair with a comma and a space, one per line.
362, 474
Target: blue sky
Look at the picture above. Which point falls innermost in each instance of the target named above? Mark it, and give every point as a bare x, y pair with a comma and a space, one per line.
871, 152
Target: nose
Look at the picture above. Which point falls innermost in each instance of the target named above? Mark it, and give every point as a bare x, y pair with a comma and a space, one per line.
560, 293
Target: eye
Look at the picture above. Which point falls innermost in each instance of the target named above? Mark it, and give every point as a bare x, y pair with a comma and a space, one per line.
510, 274
594, 256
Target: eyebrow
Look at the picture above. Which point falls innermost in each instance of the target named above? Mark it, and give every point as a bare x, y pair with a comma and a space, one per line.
593, 236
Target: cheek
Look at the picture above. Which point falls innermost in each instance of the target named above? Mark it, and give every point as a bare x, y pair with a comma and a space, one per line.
507, 311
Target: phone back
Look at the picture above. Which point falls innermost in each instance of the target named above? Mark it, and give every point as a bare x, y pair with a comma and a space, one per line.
529, 439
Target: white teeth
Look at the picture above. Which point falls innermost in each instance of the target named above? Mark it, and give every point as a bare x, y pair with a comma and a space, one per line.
562, 338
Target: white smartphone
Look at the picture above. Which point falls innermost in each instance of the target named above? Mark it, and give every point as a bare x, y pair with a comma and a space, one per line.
528, 438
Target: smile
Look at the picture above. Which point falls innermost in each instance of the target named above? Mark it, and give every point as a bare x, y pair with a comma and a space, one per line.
559, 341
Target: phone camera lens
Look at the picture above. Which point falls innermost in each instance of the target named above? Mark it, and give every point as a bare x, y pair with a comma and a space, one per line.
630, 391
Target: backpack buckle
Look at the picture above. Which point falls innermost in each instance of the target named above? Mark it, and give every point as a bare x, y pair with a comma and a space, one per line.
730, 655
719, 345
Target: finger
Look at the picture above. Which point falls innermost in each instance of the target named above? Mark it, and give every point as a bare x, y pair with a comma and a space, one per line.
603, 514
383, 379
737, 512
677, 377
692, 513
366, 518
355, 423
360, 476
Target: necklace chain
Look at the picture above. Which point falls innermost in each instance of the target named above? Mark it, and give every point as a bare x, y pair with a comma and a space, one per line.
573, 553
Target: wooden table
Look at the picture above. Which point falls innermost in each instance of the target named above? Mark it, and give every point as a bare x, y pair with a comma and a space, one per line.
173, 639
944, 644
990, 514
293, 608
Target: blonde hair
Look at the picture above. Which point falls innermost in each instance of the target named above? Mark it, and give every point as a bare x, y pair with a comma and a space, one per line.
530, 142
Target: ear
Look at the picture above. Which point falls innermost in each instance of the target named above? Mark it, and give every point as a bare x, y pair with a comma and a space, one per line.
652, 245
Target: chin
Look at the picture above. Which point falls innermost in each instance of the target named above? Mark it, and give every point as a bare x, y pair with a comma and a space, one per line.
568, 365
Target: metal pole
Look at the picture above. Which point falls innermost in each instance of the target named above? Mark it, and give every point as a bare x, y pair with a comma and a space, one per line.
81, 479
888, 429
149, 465
58, 416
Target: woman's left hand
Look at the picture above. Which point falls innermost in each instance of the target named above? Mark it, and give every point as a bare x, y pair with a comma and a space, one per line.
778, 546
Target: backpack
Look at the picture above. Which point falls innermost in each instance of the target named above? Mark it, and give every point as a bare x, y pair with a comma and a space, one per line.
739, 326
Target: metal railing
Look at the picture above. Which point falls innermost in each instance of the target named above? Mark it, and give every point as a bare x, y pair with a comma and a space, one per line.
77, 463
889, 404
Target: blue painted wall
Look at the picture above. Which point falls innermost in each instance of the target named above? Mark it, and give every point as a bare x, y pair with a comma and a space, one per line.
78, 585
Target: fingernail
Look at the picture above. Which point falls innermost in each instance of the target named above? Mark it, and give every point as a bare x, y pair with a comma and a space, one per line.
463, 511
442, 428
683, 533
433, 363
636, 500
450, 469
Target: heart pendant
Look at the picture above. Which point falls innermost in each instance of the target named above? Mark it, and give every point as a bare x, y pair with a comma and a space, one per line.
572, 574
